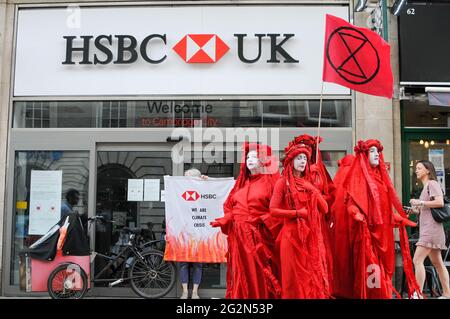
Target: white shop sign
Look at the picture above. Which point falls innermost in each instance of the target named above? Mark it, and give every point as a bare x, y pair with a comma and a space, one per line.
290, 60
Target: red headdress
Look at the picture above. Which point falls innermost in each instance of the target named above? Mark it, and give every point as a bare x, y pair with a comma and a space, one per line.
310, 141
293, 150
269, 166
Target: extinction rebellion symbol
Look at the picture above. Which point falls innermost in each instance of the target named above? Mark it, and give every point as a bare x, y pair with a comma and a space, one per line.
356, 43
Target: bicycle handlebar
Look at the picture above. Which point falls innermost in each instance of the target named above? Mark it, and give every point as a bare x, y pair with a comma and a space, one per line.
101, 219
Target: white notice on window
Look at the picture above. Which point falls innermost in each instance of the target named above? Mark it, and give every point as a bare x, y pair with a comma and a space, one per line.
436, 156
45, 201
151, 190
135, 190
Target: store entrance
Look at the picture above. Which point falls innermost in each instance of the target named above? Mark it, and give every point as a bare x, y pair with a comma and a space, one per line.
128, 193
432, 145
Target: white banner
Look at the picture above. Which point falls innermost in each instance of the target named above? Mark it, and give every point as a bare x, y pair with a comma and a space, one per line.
177, 50
191, 204
45, 201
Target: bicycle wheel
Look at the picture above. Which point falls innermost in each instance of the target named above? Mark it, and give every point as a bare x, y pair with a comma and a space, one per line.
67, 281
152, 277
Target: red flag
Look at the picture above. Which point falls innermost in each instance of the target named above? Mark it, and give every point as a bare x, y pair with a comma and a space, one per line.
357, 58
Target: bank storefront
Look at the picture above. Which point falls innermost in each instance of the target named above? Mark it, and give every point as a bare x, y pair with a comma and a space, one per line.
108, 93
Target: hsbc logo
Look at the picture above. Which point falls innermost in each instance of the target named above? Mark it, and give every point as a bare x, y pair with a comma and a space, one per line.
192, 48
201, 48
192, 196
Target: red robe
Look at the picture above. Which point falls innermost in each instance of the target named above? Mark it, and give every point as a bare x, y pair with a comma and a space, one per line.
322, 180
340, 234
373, 244
303, 260
252, 269
365, 249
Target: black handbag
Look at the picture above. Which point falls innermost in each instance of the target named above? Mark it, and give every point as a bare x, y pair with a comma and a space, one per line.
442, 214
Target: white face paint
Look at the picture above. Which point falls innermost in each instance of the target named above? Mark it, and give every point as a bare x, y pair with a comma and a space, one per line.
300, 162
252, 161
374, 156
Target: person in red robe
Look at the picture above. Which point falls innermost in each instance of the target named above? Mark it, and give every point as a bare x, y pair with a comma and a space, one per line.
364, 251
320, 178
251, 230
302, 252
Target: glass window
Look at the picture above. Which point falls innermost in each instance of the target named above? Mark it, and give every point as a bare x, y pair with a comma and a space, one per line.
421, 114
75, 175
191, 113
335, 113
438, 152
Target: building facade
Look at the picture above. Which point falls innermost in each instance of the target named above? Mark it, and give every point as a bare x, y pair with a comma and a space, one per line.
108, 91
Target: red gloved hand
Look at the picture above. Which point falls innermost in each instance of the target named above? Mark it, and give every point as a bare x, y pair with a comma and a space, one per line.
223, 223
302, 213
399, 220
214, 224
356, 214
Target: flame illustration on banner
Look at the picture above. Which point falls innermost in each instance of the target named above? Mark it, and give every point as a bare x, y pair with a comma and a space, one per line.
210, 250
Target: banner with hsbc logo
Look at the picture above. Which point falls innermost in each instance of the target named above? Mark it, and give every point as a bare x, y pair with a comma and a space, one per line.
191, 204
184, 50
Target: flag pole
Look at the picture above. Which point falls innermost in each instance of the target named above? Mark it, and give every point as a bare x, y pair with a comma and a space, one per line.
318, 126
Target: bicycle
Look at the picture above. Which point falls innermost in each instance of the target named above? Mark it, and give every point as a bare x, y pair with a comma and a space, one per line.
149, 274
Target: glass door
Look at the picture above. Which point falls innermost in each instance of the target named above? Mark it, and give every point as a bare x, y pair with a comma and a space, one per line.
123, 195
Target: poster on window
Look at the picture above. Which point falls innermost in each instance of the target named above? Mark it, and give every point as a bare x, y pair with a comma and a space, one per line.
191, 204
436, 156
45, 201
135, 190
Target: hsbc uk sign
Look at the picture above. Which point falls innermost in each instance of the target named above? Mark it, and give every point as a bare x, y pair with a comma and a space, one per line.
198, 50
192, 48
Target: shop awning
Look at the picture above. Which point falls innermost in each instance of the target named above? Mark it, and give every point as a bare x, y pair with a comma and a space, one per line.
438, 96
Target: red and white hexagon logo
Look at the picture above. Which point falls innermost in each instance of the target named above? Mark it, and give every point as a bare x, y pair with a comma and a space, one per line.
201, 48
190, 196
